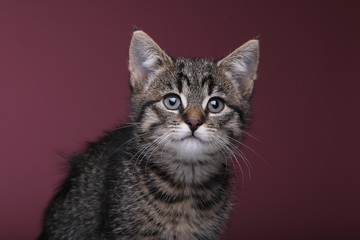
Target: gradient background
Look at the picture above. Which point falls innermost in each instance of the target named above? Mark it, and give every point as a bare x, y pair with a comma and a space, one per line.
64, 80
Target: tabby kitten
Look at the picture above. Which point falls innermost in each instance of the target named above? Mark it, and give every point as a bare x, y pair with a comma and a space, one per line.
165, 177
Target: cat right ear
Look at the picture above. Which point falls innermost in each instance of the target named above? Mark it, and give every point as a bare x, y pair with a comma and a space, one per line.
146, 58
240, 66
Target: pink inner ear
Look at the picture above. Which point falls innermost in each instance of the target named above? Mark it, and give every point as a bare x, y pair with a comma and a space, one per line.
138, 76
243, 61
145, 58
240, 66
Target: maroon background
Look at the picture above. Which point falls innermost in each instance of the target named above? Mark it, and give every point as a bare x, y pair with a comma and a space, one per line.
64, 79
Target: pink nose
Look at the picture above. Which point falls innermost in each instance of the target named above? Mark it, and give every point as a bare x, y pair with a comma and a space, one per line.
193, 123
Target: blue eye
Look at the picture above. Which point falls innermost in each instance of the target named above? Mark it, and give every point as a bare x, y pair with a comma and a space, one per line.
172, 102
215, 105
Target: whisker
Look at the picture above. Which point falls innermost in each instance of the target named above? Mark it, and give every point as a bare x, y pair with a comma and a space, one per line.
225, 156
150, 146
252, 150
232, 148
250, 135
128, 141
164, 138
230, 154
127, 125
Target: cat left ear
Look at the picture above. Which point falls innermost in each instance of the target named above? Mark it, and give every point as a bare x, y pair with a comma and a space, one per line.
145, 59
240, 66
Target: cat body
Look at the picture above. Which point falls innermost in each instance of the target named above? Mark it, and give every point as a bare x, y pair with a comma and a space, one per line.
166, 176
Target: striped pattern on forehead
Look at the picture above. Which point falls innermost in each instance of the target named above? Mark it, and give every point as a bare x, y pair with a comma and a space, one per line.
209, 81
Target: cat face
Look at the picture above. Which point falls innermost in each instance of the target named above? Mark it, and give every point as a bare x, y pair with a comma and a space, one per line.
192, 108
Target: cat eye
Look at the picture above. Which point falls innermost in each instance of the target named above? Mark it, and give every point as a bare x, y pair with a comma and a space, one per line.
172, 102
215, 105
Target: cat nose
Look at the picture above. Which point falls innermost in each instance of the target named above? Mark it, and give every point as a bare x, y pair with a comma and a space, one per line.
193, 123
194, 118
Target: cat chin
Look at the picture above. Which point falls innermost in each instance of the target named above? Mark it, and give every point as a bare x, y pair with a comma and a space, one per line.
191, 149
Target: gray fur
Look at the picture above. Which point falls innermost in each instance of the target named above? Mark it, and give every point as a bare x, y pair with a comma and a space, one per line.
157, 180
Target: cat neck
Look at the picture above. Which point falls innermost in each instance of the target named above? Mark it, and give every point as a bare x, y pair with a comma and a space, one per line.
187, 171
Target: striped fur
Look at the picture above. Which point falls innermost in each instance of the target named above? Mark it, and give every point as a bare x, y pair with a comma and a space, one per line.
165, 177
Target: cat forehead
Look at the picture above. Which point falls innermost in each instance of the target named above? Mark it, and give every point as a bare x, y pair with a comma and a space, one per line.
195, 68
193, 79
196, 76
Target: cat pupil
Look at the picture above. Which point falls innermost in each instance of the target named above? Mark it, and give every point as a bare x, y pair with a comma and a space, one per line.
172, 101
215, 104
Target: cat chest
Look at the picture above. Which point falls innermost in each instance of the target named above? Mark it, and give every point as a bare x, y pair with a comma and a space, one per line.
183, 219
180, 212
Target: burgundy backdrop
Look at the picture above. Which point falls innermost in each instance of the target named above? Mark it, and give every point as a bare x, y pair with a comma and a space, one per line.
64, 80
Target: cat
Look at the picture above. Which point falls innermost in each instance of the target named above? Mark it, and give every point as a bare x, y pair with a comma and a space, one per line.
165, 176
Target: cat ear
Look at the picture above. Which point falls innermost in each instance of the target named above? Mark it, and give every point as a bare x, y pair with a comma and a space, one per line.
146, 58
240, 66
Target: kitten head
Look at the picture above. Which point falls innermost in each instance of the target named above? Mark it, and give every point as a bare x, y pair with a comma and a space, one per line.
194, 108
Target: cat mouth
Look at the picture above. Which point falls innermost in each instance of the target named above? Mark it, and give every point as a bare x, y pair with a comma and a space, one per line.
192, 138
